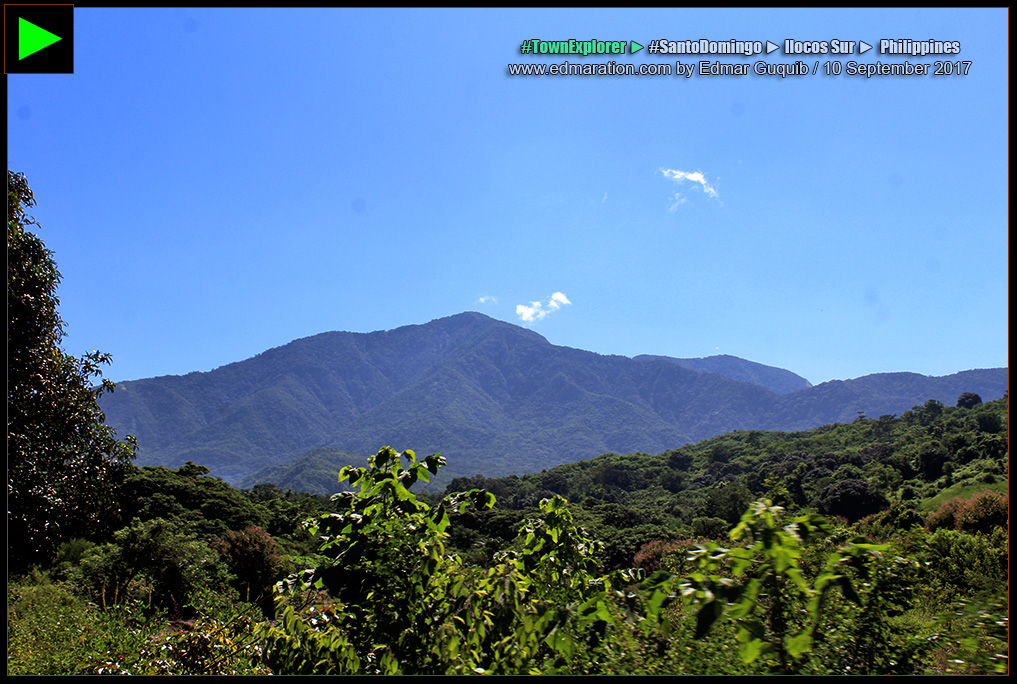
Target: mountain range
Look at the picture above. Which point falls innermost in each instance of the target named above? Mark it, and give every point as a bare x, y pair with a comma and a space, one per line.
492, 397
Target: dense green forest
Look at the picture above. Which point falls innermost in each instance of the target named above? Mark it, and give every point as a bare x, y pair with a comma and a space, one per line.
879, 546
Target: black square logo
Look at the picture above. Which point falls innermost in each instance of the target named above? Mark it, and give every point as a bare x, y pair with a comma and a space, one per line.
39, 39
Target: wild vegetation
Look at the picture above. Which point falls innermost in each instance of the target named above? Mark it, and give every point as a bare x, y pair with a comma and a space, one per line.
879, 546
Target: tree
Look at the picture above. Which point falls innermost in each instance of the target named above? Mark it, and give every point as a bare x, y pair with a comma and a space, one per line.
968, 400
156, 562
63, 463
852, 499
252, 555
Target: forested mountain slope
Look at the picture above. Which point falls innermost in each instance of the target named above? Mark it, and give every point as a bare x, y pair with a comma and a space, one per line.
493, 397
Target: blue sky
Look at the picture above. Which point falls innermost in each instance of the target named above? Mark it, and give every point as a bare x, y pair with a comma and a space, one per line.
215, 183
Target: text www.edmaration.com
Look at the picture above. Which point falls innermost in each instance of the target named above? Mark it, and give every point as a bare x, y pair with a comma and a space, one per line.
600, 69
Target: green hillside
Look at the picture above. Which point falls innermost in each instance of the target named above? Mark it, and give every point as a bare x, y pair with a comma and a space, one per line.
493, 397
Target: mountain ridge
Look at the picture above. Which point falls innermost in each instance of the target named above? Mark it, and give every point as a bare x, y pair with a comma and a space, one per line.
491, 396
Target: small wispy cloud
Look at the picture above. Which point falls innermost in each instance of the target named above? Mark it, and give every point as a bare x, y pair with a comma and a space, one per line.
487, 299
680, 177
536, 311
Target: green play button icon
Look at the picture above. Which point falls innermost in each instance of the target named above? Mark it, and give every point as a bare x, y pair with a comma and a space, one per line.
32, 38
38, 39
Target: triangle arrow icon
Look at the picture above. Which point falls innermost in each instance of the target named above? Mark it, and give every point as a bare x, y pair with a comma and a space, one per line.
634, 47
863, 47
32, 38
770, 47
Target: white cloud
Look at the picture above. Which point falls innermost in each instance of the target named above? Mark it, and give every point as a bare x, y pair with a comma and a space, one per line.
536, 311
680, 177
487, 298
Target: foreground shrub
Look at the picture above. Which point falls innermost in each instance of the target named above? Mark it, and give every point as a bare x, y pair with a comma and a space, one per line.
50, 631
206, 646
402, 604
778, 611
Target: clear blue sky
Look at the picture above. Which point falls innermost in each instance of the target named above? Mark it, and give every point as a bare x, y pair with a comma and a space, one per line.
215, 183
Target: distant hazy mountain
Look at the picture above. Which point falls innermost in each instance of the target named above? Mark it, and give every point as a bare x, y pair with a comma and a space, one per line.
494, 398
774, 379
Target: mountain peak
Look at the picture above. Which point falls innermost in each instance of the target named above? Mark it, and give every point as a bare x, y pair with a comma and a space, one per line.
493, 397
774, 379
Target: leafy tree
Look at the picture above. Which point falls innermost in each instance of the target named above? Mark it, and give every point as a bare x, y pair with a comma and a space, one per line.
253, 557
968, 400
202, 505
989, 422
852, 499
154, 562
63, 463
929, 411
727, 501
931, 459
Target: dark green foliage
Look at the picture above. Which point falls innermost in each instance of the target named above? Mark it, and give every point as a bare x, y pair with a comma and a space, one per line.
154, 564
931, 460
990, 423
202, 505
707, 527
852, 499
63, 463
719, 476
968, 400
285, 510
252, 556
727, 501
899, 518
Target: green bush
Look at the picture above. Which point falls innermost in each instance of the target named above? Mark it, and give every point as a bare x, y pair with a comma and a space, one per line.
960, 564
153, 563
50, 631
780, 605
404, 604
